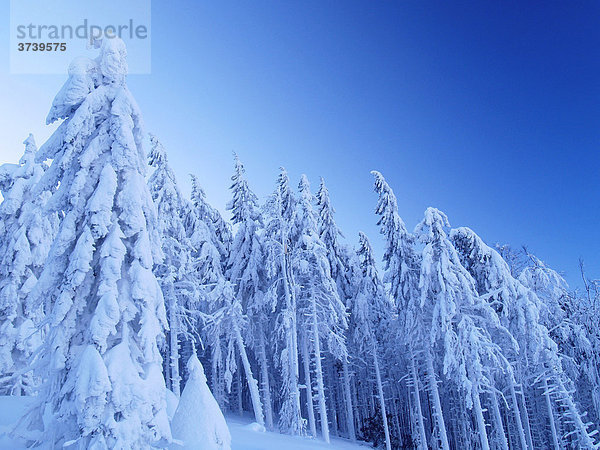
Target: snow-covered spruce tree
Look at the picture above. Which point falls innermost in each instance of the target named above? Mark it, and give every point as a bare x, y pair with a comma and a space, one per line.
556, 314
586, 310
246, 272
25, 239
537, 362
370, 316
281, 294
174, 272
209, 250
440, 311
402, 269
225, 322
198, 422
555, 309
220, 229
103, 383
321, 311
339, 261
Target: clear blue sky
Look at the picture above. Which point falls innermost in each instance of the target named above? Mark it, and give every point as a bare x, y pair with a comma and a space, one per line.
489, 111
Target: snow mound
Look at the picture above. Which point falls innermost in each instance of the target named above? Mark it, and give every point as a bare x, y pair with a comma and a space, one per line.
172, 403
256, 427
198, 422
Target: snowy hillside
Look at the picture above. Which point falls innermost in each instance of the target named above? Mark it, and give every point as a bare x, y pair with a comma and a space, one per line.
246, 435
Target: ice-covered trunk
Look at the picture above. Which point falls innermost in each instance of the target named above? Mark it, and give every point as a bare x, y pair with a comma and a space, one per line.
435, 400
499, 436
517, 414
309, 394
348, 401
422, 445
291, 342
550, 413
396, 417
331, 379
217, 379
319, 372
526, 422
586, 440
265, 384
386, 430
238, 391
251, 381
483, 439
357, 395
174, 345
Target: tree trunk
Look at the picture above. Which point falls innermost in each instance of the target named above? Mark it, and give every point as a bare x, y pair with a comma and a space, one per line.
517, 413
526, 418
174, 346
319, 373
550, 414
218, 389
331, 379
483, 439
291, 343
266, 386
500, 437
238, 388
585, 440
437, 406
252, 383
417, 399
348, 398
386, 430
309, 394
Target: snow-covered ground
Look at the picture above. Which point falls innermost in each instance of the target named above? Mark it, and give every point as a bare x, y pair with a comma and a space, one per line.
245, 437
244, 434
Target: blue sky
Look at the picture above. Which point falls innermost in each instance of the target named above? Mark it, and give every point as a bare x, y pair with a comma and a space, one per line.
489, 111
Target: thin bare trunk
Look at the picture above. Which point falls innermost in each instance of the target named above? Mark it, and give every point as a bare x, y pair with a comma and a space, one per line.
319, 373
309, 394
386, 430
422, 445
348, 398
252, 383
174, 348
499, 427
550, 413
265, 384
483, 439
517, 414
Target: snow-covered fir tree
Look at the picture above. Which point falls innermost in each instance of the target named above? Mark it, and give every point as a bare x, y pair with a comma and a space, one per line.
209, 252
246, 272
370, 319
174, 272
321, 313
101, 365
26, 234
402, 269
281, 295
538, 367
339, 263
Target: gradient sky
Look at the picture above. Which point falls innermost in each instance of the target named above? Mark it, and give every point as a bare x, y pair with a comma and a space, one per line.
489, 111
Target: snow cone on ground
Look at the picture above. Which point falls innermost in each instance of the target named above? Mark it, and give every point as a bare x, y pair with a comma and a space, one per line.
198, 423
